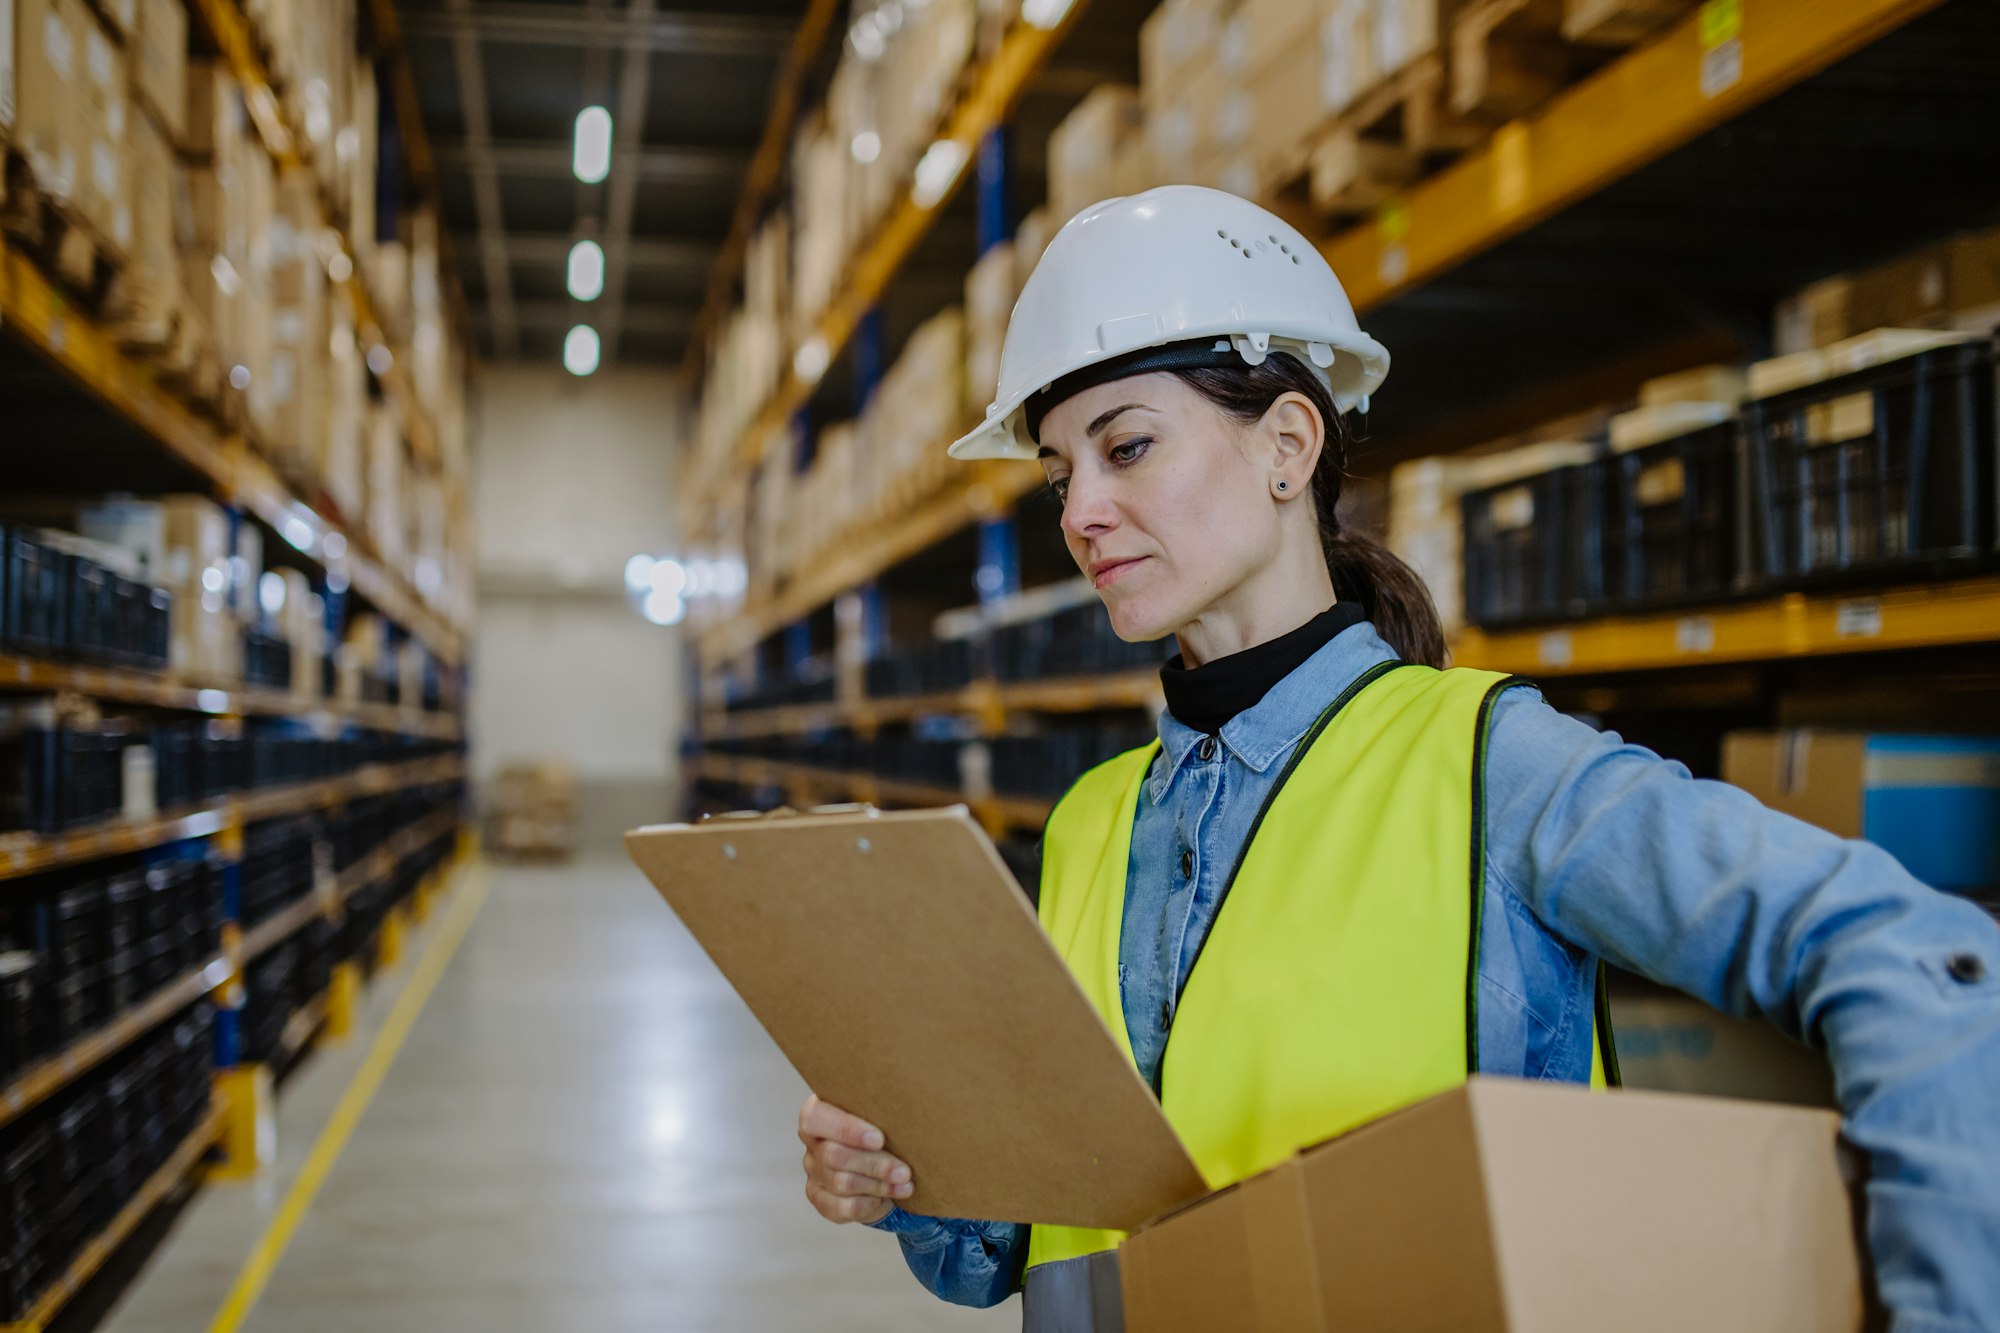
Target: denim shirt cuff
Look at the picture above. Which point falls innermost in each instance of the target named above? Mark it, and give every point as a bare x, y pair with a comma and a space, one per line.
909, 1226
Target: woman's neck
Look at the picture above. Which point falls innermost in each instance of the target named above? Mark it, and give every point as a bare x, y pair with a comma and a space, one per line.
1284, 594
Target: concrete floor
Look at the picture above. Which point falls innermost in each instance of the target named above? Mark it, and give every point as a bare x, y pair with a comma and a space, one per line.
585, 1131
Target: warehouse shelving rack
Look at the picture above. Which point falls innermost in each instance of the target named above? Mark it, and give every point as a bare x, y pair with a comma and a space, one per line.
159, 1186
990, 92
96, 378
1727, 59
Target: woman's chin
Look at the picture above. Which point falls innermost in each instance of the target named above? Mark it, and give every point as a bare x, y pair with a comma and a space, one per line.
1136, 623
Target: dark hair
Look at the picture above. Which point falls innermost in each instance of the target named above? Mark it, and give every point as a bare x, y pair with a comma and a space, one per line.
1363, 569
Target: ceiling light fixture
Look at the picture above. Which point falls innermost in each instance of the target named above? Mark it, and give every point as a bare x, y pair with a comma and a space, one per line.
937, 172
593, 145
581, 350
586, 270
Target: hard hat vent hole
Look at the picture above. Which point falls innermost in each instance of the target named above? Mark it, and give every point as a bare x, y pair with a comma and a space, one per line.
1295, 259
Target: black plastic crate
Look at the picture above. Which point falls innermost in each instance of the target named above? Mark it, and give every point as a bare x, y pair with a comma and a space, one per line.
33, 608
22, 1029
69, 925
1671, 534
1880, 472
1535, 548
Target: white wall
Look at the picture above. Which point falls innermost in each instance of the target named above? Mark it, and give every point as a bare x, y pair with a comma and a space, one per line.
572, 478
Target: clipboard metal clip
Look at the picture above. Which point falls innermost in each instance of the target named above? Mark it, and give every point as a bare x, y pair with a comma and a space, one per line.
785, 812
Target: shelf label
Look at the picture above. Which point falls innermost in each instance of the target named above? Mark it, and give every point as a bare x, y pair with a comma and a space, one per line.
1556, 648
1721, 29
1694, 634
1858, 620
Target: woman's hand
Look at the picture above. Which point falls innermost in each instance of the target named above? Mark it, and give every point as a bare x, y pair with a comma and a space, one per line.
848, 1176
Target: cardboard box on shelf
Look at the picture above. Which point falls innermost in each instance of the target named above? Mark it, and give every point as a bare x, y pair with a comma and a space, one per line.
991, 287
386, 465
1086, 150
1669, 1042
146, 297
101, 188
1702, 384
301, 622
159, 64
1932, 802
1177, 39
120, 16
1547, 1205
49, 97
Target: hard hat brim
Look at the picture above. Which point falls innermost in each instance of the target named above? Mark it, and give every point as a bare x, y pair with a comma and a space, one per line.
1360, 365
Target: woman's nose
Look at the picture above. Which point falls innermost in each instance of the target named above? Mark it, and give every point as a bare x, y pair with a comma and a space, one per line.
1087, 508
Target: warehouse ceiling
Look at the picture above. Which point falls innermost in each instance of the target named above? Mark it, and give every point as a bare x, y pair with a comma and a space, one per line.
688, 83
501, 81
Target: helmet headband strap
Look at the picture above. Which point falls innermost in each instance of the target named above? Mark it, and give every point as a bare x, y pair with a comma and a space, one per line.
1199, 354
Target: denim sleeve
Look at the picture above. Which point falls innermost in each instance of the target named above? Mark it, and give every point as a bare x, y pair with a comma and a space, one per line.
1698, 886
966, 1263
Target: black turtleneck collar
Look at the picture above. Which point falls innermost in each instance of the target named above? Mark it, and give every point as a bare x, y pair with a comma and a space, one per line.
1208, 696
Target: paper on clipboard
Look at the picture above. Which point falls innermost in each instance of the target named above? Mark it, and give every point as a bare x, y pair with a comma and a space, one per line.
894, 961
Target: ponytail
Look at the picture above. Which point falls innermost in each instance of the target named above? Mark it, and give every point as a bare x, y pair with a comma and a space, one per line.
1364, 571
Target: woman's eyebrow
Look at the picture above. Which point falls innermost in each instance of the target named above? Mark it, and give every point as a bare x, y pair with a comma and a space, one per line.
1106, 418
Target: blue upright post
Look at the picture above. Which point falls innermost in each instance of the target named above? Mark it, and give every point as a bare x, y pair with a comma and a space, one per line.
999, 573
996, 220
803, 441
871, 356
874, 620
798, 647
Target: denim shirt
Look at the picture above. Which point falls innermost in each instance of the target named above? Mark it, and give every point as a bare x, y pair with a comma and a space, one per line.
1596, 848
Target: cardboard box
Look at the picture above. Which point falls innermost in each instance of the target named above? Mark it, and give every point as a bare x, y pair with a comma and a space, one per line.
1932, 802
101, 194
1702, 384
159, 66
1084, 149
48, 92
1515, 1207
1669, 1042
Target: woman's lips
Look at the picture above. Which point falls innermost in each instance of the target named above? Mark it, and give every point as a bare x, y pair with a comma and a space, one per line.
1108, 574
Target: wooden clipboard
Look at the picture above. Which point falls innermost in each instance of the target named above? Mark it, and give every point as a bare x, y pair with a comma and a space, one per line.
896, 963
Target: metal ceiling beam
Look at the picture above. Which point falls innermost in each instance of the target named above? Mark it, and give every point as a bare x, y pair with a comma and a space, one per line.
647, 253
556, 316
554, 160
646, 32
485, 185
621, 189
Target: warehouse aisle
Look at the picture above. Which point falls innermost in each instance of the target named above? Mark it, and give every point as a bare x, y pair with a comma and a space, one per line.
585, 1130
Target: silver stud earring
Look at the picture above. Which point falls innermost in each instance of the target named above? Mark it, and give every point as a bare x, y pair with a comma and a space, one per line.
1284, 485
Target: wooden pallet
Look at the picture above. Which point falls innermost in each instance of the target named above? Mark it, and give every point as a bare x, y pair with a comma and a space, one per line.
56, 236
1392, 135
1508, 57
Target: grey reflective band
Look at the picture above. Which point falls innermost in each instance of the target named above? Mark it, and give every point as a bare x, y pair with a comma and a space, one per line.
1079, 1295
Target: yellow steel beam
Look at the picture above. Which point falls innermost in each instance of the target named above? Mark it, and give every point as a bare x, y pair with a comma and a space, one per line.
1919, 616
1719, 62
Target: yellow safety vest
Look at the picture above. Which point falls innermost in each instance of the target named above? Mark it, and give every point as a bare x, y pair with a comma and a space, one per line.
1337, 981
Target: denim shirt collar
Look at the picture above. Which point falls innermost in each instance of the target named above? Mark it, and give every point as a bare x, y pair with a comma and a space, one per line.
1261, 734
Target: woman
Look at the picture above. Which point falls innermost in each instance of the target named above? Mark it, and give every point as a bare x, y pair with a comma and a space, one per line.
1281, 881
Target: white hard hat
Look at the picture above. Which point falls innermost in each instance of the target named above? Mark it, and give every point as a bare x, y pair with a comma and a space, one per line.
1177, 277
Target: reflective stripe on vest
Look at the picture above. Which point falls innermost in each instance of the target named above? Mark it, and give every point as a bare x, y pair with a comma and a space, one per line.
1336, 983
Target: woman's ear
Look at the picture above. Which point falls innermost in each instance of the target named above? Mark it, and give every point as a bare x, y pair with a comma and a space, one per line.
1295, 434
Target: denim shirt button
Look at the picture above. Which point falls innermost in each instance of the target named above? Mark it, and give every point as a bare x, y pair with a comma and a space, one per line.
1187, 863
1966, 968
1166, 1014
1207, 750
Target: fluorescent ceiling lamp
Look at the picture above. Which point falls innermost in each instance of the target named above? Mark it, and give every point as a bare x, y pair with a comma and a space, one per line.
271, 592
639, 572
586, 270
667, 578
810, 361
581, 350
1045, 14
937, 171
664, 608
593, 145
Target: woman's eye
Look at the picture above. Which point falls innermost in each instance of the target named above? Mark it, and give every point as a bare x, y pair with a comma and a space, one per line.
1059, 488
1128, 451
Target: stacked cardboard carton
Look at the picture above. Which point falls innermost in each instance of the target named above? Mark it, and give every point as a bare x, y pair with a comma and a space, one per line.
1099, 151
